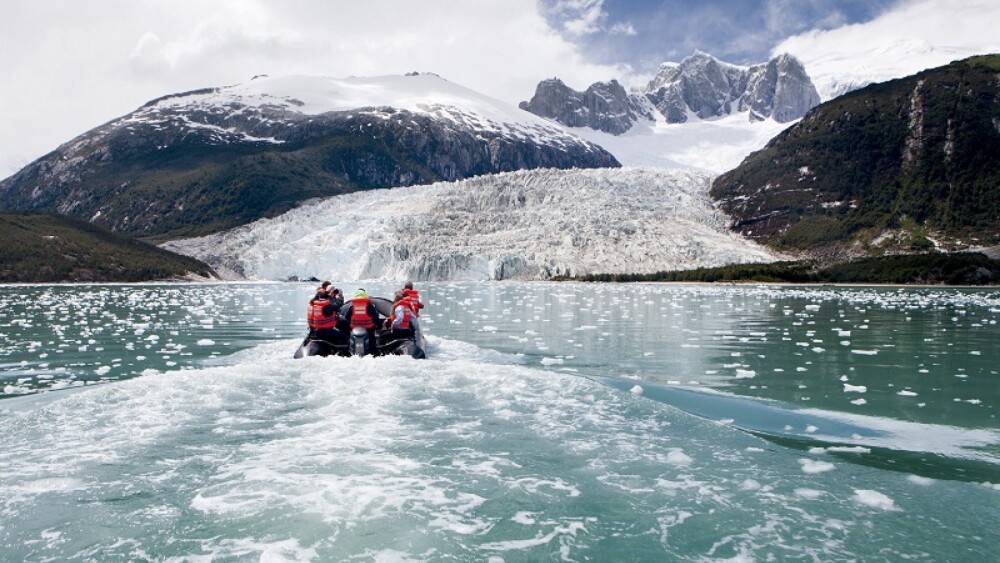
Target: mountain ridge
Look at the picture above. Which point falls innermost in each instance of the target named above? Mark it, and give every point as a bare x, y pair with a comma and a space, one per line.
209, 159
700, 86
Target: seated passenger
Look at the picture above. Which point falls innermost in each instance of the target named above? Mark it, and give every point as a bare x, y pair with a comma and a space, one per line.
322, 318
362, 313
413, 298
402, 322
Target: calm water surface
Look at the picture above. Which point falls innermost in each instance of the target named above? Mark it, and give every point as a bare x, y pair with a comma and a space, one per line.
552, 421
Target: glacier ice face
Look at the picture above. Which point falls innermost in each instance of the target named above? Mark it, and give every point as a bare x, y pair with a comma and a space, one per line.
519, 225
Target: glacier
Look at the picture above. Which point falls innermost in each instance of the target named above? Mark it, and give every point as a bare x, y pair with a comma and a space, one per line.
529, 224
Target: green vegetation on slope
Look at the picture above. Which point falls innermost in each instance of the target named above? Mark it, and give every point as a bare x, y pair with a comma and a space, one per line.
923, 149
936, 268
53, 248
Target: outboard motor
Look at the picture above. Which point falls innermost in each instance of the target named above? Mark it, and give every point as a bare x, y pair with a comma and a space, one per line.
359, 342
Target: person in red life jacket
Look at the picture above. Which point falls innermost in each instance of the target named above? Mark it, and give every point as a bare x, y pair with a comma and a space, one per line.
322, 318
413, 298
402, 322
330, 291
362, 313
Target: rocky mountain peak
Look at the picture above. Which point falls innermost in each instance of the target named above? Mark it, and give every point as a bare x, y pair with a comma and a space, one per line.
605, 106
700, 86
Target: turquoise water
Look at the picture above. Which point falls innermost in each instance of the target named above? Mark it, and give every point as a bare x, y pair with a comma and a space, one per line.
552, 422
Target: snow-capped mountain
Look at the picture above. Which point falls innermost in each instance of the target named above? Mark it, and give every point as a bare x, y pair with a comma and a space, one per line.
699, 87
913, 36
210, 159
518, 225
779, 89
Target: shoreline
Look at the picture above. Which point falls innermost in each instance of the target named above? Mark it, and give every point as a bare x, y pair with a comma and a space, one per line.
182, 282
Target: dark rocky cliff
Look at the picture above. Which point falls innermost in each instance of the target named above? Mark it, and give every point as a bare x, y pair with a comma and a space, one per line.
885, 166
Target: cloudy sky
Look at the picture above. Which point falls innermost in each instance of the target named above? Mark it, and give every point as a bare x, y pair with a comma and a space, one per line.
69, 65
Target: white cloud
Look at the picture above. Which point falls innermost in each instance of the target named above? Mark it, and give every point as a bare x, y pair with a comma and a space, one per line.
70, 66
587, 17
623, 28
917, 35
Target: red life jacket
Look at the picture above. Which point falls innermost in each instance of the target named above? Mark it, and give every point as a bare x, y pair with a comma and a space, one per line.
315, 317
359, 314
405, 323
413, 300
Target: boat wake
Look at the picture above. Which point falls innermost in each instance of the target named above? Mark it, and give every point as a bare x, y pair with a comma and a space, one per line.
470, 454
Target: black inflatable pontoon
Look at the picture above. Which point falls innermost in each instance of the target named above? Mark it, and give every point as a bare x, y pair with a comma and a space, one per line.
341, 341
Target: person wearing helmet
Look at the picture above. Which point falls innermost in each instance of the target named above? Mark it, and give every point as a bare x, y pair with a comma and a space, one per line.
362, 313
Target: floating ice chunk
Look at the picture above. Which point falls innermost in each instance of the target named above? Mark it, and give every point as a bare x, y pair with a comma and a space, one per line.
848, 388
745, 374
488, 328
552, 361
812, 307
102, 370
973, 401
975, 352
865, 352
814, 466
810, 494
873, 499
206, 342
811, 429
818, 350
678, 457
907, 393
918, 480
636, 390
